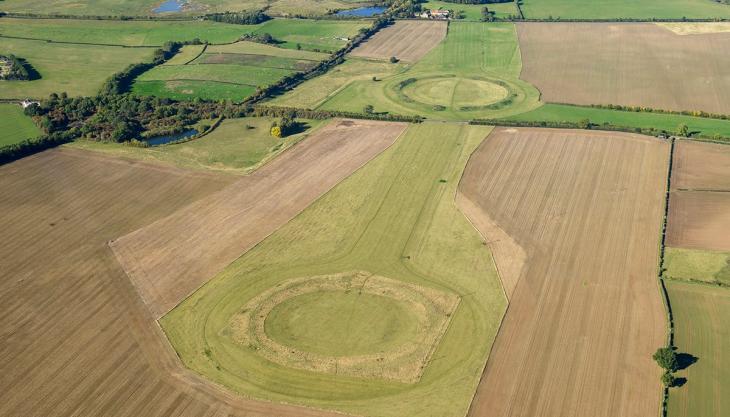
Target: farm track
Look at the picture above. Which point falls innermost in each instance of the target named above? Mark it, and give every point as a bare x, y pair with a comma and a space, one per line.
406, 40
586, 312
171, 258
628, 64
77, 340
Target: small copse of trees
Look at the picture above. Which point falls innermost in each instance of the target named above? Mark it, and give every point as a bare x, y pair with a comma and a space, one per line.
239, 18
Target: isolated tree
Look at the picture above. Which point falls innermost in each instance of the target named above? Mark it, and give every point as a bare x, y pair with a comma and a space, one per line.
369, 109
683, 130
393, 60
668, 379
666, 358
276, 131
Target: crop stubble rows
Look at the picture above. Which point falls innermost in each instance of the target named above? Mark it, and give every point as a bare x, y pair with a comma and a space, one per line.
586, 313
408, 41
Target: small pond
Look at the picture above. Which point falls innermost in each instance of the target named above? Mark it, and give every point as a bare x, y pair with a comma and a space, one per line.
170, 6
362, 11
161, 140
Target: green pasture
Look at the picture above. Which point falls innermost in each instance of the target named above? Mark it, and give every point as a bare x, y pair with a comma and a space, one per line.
223, 72
446, 84
695, 264
700, 320
236, 146
146, 7
668, 122
310, 34
14, 125
473, 12
396, 218
615, 9
79, 70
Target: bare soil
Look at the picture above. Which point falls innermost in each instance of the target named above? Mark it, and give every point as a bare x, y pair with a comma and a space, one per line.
586, 313
629, 64
699, 220
701, 166
171, 258
76, 338
407, 40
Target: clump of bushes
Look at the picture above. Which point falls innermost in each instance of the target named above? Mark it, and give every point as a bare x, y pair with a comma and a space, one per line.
14, 68
286, 126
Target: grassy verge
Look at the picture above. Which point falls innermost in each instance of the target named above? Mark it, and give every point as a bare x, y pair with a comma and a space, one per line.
396, 218
237, 145
700, 314
15, 126
668, 122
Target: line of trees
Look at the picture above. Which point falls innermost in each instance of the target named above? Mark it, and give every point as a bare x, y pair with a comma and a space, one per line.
644, 109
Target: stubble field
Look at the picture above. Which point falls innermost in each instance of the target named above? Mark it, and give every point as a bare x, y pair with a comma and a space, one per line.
628, 64
585, 314
407, 41
76, 338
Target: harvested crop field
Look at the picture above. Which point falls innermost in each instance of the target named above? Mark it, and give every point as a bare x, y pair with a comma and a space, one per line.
171, 258
628, 64
701, 166
586, 314
408, 41
76, 338
699, 220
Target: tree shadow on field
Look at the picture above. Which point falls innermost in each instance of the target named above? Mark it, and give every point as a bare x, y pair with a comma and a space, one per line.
685, 360
678, 382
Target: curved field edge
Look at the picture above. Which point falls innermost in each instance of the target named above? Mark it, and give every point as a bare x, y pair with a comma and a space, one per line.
395, 217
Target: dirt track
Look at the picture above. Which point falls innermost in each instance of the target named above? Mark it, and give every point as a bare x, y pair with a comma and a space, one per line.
171, 258
629, 64
586, 313
406, 40
76, 339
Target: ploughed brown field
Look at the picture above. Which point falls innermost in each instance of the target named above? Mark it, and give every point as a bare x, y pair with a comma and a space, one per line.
627, 63
407, 40
699, 205
586, 312
76, 339
701, 166
699, 220
172, 257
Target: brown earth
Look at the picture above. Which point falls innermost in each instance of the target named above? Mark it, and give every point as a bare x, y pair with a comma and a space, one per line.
171, 258
628, 64
76, 338
586, 313
699, 220
407, 40
701, 166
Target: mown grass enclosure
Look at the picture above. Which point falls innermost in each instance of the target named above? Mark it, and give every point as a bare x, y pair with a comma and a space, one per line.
15, 126
236, 146
395, 218
625, 9
71, 68
232, 71
701, 334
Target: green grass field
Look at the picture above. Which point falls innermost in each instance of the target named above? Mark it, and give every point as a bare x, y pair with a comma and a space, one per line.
668, 122
472, 12
612, 9
396, 218
75, 69
310, 34
15, 126
232, 147
701, 265
700, 316
223, 72
146, 7
449, 83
